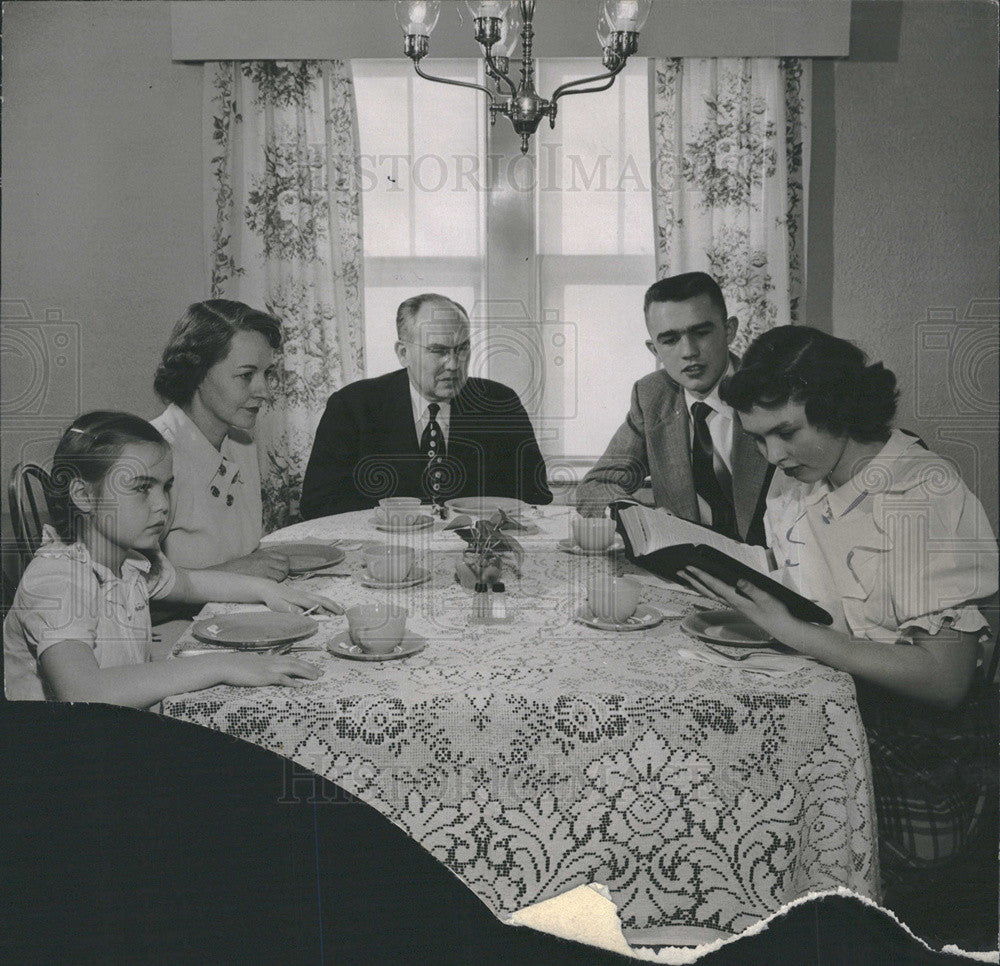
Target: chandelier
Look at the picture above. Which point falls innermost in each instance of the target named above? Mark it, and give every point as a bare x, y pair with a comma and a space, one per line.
498, 25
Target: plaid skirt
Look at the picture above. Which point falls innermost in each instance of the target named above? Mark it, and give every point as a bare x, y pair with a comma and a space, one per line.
934, 775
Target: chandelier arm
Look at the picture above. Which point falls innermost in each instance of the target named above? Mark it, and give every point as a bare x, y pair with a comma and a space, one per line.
497, 73
567, 87
588, 90
454, 83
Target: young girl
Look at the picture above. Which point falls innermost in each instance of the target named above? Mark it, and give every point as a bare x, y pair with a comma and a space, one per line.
884, 534
79, 627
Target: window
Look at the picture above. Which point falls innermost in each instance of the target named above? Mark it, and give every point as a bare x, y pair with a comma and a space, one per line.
423, 218
450, 205
594, 252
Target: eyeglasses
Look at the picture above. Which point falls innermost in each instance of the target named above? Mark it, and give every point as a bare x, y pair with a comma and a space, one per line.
442, 352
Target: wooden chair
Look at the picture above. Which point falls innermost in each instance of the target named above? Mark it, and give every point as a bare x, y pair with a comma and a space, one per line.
28, 502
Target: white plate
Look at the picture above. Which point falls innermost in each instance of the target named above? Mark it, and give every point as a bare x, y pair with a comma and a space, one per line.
725, 627
341, 646
643, 618
568, 546
254, 630
424, 521
303, 558
484, 506
418, 575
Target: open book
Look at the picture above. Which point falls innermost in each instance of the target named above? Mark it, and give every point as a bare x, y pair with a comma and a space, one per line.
664, 544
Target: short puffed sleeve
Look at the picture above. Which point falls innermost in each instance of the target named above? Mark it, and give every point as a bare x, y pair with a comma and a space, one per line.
945, 563
58, 599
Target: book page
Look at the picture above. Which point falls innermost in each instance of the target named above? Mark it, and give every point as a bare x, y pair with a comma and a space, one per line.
650, 529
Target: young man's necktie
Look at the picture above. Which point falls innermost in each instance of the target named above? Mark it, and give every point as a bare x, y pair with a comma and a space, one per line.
712, 480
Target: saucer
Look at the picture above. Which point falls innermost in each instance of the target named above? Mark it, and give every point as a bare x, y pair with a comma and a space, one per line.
341, 646
303, 558
253, 630
568, 546
424, 521
725, 627
643, 618
485, 506
418, 575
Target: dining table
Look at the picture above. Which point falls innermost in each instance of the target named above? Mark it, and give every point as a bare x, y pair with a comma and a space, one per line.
536, 753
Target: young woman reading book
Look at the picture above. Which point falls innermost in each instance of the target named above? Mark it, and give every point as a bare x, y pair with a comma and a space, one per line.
884, 535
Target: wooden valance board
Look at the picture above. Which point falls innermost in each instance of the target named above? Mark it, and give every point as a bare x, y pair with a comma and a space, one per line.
322, 29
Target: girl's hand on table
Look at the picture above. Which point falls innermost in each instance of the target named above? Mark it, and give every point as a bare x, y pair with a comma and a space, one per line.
289, 599
260, 670
757, 605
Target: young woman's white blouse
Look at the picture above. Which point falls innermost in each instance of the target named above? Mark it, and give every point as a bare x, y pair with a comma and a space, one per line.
215, 506
903, 544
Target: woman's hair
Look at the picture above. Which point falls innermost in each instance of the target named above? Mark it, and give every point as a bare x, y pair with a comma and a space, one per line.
842, 394
201, 339
87, 451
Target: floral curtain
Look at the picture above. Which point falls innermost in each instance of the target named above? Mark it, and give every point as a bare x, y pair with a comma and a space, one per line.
730, 142
283, 233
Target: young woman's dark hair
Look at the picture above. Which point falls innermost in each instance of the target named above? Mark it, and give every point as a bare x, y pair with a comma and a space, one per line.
843, 395
201, 339
87, 451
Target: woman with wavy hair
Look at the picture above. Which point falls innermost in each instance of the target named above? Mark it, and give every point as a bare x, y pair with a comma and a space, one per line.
886, 536
215, 375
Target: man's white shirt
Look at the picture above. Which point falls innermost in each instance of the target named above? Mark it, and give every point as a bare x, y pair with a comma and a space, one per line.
421, 417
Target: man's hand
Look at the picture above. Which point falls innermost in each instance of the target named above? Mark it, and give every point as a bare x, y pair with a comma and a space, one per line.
592, 509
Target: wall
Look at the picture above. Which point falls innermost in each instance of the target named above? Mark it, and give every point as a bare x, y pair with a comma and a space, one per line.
915, 238
102, 222
102, 212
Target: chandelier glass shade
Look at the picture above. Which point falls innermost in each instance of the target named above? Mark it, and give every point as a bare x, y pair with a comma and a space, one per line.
499, 26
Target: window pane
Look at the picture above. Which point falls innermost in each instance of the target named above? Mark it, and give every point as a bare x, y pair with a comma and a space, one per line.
422, 159
592, 359
593, 169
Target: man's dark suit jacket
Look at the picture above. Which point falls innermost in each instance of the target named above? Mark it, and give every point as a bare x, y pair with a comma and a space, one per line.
366, 448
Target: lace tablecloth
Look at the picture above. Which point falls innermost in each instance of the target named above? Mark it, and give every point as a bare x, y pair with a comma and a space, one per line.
539, 755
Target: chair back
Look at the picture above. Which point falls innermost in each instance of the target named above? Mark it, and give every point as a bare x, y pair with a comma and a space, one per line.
28, 501
989, 607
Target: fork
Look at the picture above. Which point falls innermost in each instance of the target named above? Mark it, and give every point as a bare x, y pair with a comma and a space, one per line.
318, 573
295, 646
742, 656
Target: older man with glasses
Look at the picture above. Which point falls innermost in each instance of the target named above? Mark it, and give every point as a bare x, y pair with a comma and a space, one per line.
425, 430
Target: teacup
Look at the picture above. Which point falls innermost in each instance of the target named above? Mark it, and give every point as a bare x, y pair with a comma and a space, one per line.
613, 599
593, 533
377, 628
398, 511
390, 565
